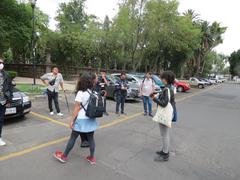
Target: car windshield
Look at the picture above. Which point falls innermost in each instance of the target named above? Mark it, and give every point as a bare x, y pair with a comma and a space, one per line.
157, 79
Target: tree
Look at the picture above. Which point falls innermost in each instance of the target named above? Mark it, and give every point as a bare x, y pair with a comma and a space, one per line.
234, 61
71, 16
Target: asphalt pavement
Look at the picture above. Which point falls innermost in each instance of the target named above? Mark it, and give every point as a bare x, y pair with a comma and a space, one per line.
205, 143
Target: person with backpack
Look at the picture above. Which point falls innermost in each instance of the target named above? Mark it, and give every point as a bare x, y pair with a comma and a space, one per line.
88, 106
146, 89
163, 99
121, 87
6, 94
53, 80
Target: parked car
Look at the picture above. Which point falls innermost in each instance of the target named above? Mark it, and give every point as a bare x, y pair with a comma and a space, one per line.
217, 80
139, 77
181, 86
195, 82
132, 92
19, 106
206, 81
212, 81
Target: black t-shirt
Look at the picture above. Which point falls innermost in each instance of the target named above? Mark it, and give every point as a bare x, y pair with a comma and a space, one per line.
101, 83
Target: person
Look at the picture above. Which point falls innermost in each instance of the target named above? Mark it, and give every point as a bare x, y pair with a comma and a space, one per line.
101, 88
53, 80
146, 89
121, 88
6, 94
162, 100
80, 123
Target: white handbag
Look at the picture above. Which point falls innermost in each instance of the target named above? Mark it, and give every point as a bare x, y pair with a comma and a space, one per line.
164, 115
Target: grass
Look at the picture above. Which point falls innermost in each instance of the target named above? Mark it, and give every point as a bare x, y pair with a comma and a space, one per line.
31, 89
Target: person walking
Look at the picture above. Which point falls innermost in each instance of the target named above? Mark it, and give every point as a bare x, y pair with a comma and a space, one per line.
146, 89
53, 80
6, 94
162, 100
121, 88
80, 123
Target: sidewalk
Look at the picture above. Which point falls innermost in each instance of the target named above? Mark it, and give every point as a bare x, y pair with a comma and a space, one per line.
68, 85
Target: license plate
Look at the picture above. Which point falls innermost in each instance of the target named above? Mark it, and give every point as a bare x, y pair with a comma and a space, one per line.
11, 111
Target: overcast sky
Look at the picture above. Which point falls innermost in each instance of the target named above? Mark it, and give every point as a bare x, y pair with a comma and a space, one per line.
224, 11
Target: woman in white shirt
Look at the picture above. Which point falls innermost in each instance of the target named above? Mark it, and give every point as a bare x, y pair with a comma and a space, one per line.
80, 123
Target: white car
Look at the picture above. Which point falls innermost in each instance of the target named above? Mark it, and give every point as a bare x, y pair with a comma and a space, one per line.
197, 83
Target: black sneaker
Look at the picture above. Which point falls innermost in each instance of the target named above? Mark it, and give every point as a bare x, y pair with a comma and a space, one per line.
85, 144
160, 153
163, 157
123, 113
150, 114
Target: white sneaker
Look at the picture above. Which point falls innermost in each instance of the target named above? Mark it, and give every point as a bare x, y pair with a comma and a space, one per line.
60, 114
51, 113
2, 143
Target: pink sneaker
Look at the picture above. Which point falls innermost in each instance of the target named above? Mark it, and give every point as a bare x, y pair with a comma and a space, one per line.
60, 156
91, 160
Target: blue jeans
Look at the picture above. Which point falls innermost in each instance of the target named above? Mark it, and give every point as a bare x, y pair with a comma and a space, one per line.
147, 104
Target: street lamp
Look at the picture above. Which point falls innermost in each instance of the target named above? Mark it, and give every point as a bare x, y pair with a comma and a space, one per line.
33, 43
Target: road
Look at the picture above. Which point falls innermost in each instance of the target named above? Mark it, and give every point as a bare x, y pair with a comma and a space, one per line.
205, 143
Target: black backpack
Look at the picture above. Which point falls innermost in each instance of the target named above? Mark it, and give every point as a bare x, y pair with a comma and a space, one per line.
95, 108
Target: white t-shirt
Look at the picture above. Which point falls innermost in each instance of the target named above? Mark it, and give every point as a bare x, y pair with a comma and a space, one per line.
82, 97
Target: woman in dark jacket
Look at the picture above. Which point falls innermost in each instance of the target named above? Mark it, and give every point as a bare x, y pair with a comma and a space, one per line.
162, 100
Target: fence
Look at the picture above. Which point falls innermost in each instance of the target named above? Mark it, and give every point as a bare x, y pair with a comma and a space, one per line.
69, 72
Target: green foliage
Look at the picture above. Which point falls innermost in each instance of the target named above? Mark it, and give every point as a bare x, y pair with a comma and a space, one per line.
12, 74
234, 61
30, 89
144, 35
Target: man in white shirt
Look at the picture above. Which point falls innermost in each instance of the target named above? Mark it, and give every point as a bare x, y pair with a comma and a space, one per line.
53, 80
146, 89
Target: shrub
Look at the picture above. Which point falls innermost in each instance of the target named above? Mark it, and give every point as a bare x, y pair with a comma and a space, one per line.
12, 74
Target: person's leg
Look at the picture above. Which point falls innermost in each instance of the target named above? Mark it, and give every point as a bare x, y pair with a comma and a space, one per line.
164, 130
163, 155
90, 137
118, 103
84, 140
2, 113
71, 142
149, 105
55, 98
145, 104
122, 103
105, 105
50, 98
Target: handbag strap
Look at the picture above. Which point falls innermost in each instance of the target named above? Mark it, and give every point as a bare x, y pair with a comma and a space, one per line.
169, 95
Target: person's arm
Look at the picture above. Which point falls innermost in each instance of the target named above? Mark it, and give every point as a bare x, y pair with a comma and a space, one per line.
117, 85
105, 80
43, 79
61, 83
77, 108
9, 93
162, 100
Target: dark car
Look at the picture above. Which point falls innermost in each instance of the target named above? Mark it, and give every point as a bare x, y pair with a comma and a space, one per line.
19, 106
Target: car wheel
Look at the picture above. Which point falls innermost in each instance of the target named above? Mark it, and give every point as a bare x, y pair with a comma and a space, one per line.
180, 89
200, 86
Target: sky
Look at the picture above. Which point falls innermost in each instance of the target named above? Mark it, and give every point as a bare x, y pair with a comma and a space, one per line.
224, 11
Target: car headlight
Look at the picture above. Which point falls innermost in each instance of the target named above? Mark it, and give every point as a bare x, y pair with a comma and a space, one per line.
25, 99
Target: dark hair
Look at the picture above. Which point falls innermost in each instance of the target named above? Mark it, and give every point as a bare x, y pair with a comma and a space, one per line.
53, 67
149, 73
169, 76
103, 71
85, 82
123, 73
